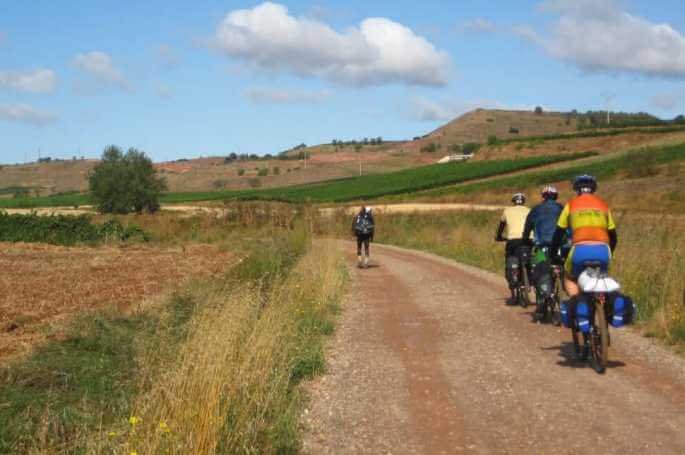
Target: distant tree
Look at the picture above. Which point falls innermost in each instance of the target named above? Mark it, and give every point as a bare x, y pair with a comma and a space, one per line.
679, 119
268, 156
470, 148
276, 170
538, 110
492, 140
358, 148
513, 130
124, 183
263, 172
233, 156
379, 140
241, 172
254, 182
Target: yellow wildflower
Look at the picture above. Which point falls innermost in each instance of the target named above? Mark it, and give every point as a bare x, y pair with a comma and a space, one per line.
164, 427
112, 434
133, 420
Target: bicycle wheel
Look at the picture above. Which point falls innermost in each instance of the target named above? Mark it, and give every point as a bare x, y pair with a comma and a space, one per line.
599, 339
524, 298
555, 302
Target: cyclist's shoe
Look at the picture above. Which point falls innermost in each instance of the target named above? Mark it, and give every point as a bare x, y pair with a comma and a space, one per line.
366, 262
511, 301
359, 262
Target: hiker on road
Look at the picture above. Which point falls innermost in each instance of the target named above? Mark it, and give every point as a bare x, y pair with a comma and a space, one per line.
363, 229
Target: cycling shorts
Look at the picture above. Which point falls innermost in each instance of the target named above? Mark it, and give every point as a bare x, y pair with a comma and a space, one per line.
579, 254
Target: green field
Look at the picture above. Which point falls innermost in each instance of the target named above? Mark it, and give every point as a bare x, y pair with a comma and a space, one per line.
357, 188
600, 169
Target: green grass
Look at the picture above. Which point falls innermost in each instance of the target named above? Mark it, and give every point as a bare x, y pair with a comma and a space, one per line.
365, 187
600, 169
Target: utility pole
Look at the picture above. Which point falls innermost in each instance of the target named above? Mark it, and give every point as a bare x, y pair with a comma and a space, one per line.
608, 98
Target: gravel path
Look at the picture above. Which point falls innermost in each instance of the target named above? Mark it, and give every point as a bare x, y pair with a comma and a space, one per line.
428, 359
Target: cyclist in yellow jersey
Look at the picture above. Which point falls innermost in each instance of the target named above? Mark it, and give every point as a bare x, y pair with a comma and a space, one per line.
511, 229
593, 231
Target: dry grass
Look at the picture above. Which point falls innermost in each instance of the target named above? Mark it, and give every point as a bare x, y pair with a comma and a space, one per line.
229, 389
45, 284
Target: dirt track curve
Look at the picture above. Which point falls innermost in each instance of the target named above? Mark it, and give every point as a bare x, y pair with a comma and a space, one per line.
428, 359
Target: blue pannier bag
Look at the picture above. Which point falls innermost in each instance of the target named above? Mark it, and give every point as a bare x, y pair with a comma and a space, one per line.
583, 316
563, 311
623, 310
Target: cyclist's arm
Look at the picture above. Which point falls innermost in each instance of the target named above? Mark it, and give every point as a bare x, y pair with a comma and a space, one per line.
560, 231
500, 231
611, 226
528, 227
613, 239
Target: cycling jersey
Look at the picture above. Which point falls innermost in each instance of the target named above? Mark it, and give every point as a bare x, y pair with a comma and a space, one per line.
514, 219
542, 220
589, 219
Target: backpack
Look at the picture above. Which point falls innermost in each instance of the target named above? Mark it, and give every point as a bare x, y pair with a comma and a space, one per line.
363, 225
623, 310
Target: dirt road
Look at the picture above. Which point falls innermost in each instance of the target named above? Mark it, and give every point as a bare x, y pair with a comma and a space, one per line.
428, 359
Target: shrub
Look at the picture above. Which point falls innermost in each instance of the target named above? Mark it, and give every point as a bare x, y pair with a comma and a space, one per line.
513, 130
430, 148
538, 110
263, 172
642, 164
492, 140
254, 182
276, 170
470, 148
124, 183
241, 172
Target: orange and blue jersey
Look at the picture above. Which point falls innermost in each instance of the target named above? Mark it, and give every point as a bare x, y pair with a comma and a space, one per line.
589, 220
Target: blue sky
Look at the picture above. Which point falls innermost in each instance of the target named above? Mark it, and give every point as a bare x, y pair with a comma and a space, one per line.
177, 79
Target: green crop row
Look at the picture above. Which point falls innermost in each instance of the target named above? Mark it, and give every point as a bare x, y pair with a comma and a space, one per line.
600, 169
61, 229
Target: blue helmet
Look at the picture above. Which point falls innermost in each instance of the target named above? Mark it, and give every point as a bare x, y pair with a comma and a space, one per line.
585, 184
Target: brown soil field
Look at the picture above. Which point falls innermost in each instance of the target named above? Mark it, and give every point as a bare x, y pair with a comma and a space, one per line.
43, 285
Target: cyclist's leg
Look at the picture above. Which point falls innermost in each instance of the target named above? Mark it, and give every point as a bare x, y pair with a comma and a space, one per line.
359, 250
367, 242
509, 260
570, 284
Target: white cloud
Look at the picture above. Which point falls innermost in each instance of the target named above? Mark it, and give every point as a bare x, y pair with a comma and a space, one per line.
37, 81
598, 36
23, 113
665, 101
167, 57
277, 96
378, 51
100, 66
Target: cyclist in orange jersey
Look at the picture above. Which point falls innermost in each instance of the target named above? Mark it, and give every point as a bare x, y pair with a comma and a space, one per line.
593, 231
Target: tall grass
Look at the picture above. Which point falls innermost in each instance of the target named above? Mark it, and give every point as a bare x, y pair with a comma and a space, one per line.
214, 367
648, 261
232, 386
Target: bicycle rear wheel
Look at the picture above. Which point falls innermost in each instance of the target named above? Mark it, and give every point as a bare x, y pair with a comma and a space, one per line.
599, 339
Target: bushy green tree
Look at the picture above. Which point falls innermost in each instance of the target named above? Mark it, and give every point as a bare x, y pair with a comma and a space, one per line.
125, 182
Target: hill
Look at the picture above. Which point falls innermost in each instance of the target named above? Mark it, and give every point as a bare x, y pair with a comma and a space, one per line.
496, 134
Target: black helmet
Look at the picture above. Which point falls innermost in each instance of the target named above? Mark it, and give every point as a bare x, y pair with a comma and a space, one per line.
550, 192
585, 184
518, 199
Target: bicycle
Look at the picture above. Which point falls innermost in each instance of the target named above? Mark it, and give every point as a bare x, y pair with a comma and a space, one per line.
595, 289
550, 306
521, 275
